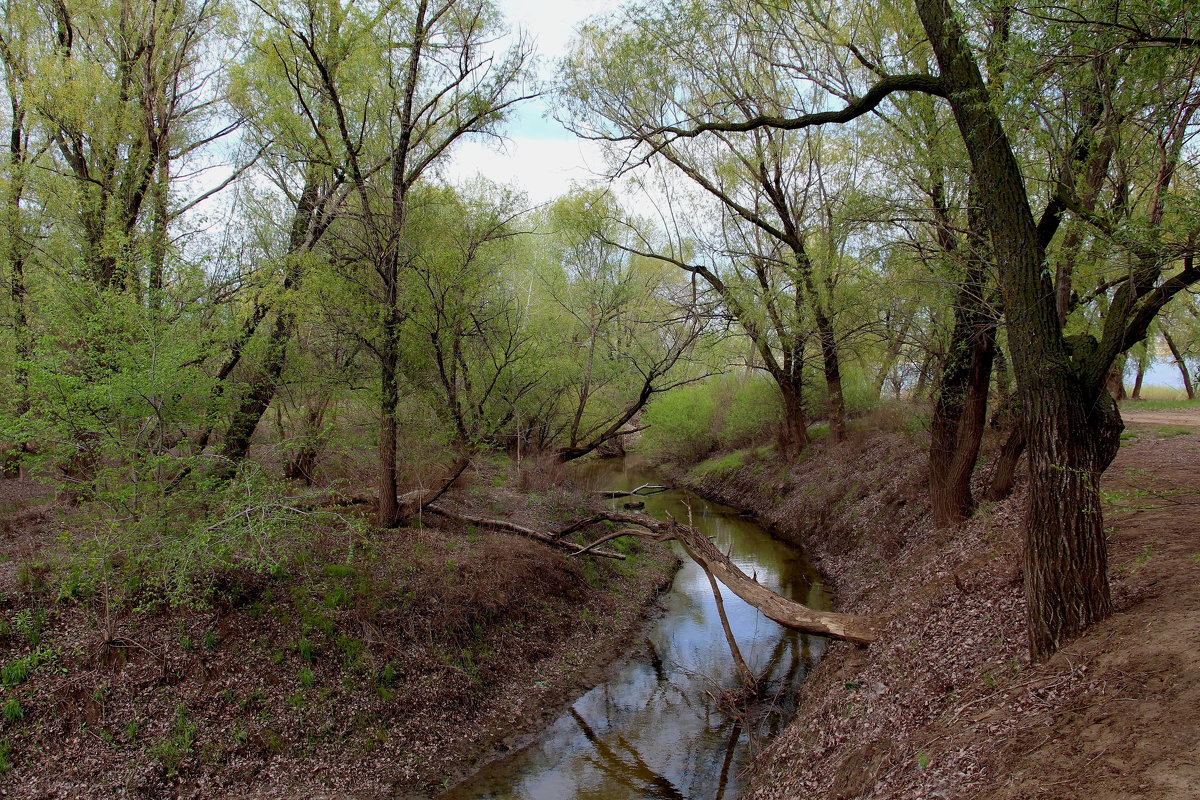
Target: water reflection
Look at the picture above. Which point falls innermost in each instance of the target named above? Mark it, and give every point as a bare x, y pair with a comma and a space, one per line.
655, 730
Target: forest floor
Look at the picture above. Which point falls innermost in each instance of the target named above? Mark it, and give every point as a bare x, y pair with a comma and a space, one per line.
946, 704
379, 665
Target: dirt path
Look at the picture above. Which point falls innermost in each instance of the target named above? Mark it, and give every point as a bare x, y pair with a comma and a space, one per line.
1186, 417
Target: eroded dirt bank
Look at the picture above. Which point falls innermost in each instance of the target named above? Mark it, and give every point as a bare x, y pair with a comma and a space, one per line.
377, 666
946, 704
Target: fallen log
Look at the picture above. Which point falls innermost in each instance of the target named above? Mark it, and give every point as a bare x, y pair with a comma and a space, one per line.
512, 527
853, 628
641, 491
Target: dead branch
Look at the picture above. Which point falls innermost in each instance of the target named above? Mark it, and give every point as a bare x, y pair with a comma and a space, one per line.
642, 491
512, 527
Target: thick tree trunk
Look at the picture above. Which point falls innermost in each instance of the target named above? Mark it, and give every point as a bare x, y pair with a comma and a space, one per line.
1179, 362
1072, 440
793, 431
960, 416
1070, 421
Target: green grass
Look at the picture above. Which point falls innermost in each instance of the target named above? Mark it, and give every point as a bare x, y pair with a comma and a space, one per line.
722, 465
1164, 400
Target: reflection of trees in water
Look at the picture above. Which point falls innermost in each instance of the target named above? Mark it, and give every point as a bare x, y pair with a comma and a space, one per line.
630, 770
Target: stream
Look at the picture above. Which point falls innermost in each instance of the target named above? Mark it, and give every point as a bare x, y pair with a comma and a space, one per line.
654, 729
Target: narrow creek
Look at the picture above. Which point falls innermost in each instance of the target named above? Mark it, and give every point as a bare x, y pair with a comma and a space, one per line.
654, 729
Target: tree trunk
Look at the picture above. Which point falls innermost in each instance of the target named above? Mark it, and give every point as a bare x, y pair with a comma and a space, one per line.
257, 398
1114, 381
960, 411
1141, 373
1179, 362
793, 429
1005, 470
833, 379
1071, 423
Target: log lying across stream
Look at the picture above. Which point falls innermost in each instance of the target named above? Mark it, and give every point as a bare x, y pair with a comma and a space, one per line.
849, 627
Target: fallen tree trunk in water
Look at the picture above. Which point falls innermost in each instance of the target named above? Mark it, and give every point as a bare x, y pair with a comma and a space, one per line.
788, 613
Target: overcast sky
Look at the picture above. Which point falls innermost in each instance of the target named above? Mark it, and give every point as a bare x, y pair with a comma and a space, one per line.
539, 155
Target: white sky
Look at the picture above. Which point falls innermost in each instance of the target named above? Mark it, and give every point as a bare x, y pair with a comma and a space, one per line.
539, 156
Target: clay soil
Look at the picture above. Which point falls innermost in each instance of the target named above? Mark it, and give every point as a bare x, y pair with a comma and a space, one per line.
380, 665
946, 703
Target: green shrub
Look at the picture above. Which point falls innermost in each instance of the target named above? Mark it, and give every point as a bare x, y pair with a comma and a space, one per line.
752, 410
681, 423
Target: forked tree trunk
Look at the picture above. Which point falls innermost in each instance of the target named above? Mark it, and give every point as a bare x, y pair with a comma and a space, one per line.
1071, 423
960, 408
793, 430
959, 419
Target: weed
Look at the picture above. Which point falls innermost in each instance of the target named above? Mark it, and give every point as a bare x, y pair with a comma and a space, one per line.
1196, 558
16, 671
178, 743
305, 648
306, 678
131, 730
13, 712
5, 755
30, 624
922, 759
352, 652
186, 642
297, 700
210, 640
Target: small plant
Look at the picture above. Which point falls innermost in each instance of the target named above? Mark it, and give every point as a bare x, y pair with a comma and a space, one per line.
1196, 558
186, 642
131, 730
16, 671
305, 648
306, 678
5, 754
922, 759
13, 712
30, 625
174, 748
210, 640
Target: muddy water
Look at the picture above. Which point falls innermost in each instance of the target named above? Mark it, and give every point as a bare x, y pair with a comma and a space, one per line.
655, 730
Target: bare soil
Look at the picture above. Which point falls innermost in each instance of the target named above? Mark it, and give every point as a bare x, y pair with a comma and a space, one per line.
946, 703
378, 666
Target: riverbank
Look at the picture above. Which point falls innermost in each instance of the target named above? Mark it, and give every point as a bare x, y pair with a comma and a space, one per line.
946, 704
376, 665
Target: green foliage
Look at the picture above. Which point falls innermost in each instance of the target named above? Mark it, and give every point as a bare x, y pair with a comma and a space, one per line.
306, 677
13, 712
177, 744
14, 672
681, 423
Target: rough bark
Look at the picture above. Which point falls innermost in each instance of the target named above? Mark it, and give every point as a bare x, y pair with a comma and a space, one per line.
1071, 423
